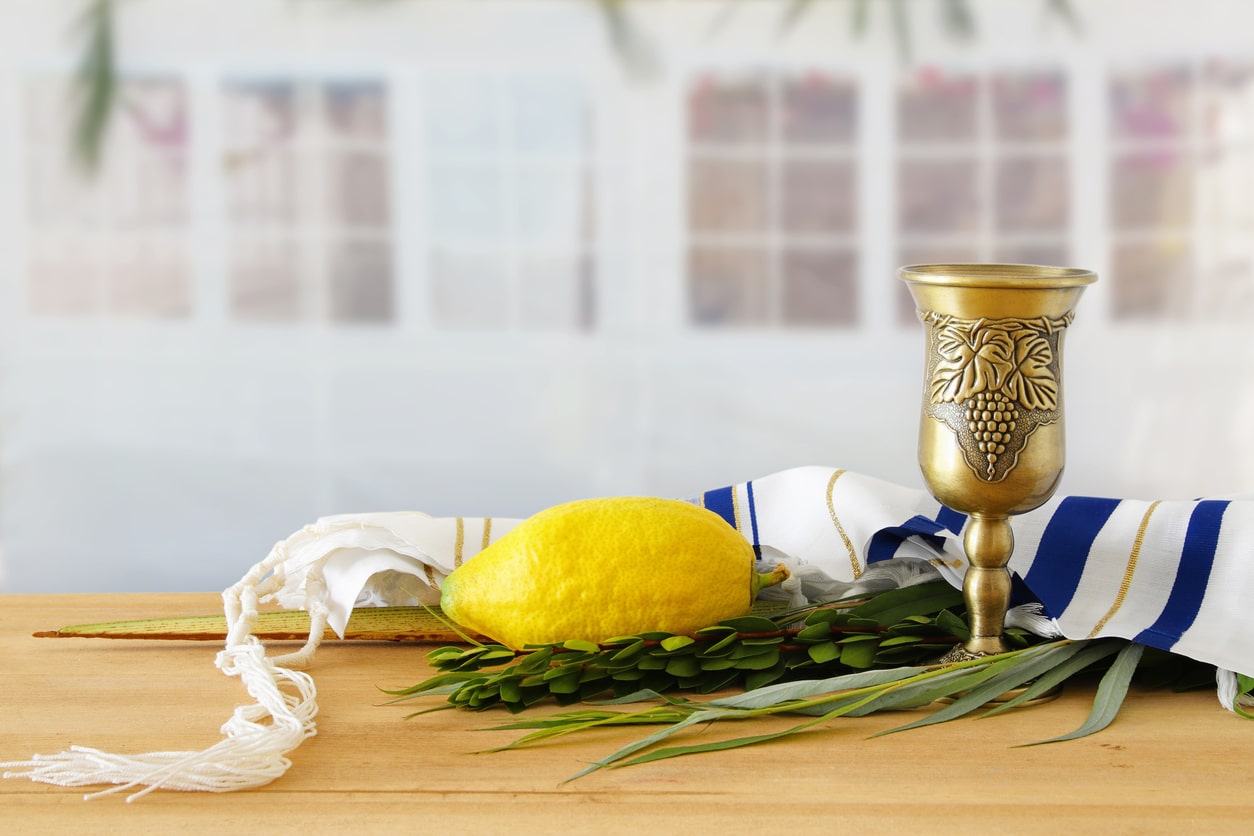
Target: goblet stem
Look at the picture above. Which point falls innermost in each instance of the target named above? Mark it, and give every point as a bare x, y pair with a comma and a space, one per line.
989, 542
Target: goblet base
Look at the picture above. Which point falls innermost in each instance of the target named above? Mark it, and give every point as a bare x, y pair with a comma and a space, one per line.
974, 649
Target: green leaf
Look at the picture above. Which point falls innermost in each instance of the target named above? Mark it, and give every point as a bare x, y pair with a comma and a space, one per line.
683, 666
760, 679
814, 633
953, 625
887, 608
751, 624
824, 653
535, 661
677, 642
1110, 693
760, 662
629, 653
858, 655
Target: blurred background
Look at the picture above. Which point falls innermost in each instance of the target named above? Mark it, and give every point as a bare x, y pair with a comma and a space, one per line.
266, 260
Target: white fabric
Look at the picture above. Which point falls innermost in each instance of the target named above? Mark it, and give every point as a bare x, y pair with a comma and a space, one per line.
1175, 574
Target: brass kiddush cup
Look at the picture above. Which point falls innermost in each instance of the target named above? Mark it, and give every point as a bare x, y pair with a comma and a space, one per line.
991, 433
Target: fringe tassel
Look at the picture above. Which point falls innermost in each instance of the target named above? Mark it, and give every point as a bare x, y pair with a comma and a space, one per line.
257, 738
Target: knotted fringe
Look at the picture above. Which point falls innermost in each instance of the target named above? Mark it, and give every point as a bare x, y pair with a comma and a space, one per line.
257, 738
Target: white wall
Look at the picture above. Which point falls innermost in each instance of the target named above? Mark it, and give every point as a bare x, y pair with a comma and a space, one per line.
171, 454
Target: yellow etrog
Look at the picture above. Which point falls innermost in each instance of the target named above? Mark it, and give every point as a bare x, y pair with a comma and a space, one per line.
599, 568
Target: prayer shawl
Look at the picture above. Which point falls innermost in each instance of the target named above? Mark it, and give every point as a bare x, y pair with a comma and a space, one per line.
1172, 574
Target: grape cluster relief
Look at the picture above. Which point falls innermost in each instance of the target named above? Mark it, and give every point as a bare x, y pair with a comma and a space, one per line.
993, 382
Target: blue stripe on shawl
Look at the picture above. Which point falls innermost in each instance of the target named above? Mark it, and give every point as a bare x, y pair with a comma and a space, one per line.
1192, 575
723, 503
884, 542
753, 521
951, 519
1064, 550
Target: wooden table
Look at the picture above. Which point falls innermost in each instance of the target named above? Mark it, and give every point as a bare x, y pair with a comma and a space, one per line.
1170, 763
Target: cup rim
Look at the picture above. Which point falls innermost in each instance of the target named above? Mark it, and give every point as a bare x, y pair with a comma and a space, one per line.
997, 275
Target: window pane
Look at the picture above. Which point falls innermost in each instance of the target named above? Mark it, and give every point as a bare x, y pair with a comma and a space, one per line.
938, 196
1152, 190
1225, 291
465, 204
355, 110
1031, 194
1151, 279
361, 282
259, 114
728, 285
550, 116
265, 280
551, 207
935, 107
819, 196
1151, 105
149, 277
1228, 107
728, 111
1030, 106
727, 196
556, 292
64, 278
260, 128
1223, 185
1055, 254
819, 109
469, 289
359, 190
463, 114
820, 287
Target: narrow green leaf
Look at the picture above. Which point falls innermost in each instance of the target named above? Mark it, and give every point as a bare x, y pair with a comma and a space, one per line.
1090, 652
804, 689
645, 742
1006, 674
677, 642
1110, 693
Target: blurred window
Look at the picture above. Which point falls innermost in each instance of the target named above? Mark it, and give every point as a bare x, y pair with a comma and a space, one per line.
772, 200
982, 170
510, 188
1181, 174
113, 241
308, 201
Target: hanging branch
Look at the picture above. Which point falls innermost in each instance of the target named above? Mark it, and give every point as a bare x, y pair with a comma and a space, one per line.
95, 84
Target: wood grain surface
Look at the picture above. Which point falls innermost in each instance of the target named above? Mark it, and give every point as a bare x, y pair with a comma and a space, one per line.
1170, 763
